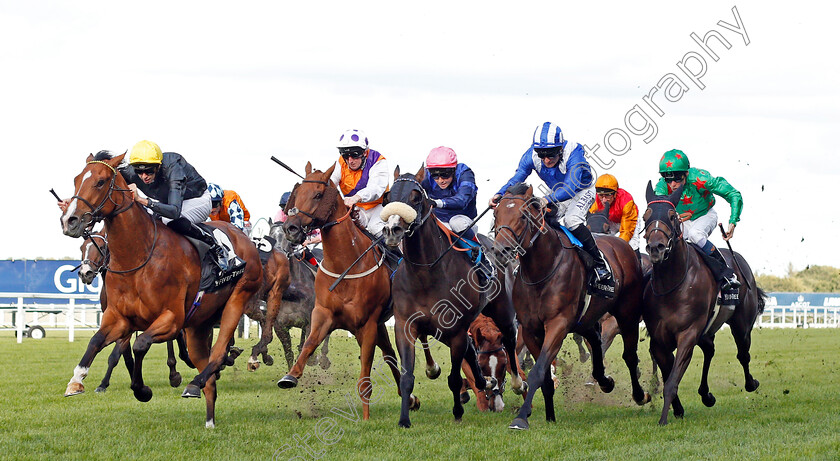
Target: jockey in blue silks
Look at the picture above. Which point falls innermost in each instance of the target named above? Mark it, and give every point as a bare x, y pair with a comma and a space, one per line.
563, 167
451, 185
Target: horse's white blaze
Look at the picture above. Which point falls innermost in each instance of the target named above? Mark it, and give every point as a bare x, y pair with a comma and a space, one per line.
79, 374
494, 363
510, 205
71, 209
393, 221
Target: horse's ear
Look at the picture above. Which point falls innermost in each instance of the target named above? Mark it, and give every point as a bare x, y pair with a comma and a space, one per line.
674, 198
270, 221
421, 173
649, 194
114, 161
397, 172
308, 168
89, 159
328, 173
530, 191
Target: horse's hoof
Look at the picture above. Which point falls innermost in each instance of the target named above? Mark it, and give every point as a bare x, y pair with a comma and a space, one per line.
708, 400
434, 372
175, 380
312, 361
522, 390
556, 382
234, 352
74, 389
287, 382
519, 424
325, 363
144, 394
413, 403
750, 387
405, 424
645, 399
100, 389
663, 422
253, 364
465, 397
191, 391
268, 360
607, 388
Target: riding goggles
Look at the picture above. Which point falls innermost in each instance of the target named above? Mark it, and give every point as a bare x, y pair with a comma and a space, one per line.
674, 175
443, 174
548, 152
353, 152
145, 169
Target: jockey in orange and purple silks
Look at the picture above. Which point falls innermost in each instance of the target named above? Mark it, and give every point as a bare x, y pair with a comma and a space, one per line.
361, 174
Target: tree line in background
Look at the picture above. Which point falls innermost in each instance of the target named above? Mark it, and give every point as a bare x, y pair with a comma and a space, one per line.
812, 279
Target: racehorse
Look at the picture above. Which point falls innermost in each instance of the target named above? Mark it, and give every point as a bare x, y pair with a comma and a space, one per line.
94, 261
360, 302
680, 303
439, 292
295, 308
153, 282
492, 360
550, 294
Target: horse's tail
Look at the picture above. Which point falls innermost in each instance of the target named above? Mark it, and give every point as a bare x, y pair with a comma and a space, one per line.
761, 295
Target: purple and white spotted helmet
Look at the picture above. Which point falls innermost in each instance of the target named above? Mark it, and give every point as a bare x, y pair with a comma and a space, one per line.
353, 138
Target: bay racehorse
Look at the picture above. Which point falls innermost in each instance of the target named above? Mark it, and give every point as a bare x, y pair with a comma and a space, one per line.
680, 305
153, 281
95, 261
439, 292
360, 303
551, 299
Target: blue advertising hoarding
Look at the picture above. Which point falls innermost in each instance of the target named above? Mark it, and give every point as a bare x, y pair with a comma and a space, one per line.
44, 276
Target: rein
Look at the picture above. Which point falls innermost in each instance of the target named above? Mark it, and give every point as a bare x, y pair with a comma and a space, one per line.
673, 238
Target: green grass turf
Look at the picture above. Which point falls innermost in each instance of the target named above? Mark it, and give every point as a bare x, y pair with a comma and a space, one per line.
795, 413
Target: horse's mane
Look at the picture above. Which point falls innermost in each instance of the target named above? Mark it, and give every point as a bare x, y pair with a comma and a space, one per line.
518, 189
103, 155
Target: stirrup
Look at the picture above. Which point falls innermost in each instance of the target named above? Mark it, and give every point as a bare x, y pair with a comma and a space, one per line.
731, 283
220, 258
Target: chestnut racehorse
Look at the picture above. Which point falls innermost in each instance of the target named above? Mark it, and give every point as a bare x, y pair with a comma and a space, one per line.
680, 304
94, 261
359, 303
153, 281
438, 292
550, 295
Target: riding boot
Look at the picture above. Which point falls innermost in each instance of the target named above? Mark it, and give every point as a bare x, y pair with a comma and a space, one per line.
602, 272
725, 275
188, 229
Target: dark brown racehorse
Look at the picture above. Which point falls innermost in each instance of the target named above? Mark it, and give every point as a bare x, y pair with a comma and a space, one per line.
550, 295
94, 261
680, 303
359, 302
438, 292
153, 281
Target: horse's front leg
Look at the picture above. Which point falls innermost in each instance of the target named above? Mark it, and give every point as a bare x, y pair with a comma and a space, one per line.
556, 331
630, 337
162, 329
367, 339
390, 358
458, 352
113, 360
707, 345
406, 335
174, 376
272, 308
321, 326
111, 328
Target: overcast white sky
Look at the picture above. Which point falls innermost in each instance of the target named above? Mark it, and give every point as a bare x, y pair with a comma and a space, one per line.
227, 85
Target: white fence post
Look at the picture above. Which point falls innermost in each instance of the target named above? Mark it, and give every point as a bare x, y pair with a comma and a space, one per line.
20, 320
71, 320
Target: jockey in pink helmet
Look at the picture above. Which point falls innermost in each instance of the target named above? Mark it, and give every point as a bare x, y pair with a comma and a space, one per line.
451, 185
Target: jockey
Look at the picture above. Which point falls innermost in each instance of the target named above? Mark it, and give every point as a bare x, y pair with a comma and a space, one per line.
563, 167
361, 174
623, 212
696, 211
175, 191
228, 206
451, 185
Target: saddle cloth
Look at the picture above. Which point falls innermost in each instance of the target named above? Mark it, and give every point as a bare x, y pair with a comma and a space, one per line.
211, 278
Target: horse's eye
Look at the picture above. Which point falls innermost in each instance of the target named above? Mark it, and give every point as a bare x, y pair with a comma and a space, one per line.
319, 196
100, 183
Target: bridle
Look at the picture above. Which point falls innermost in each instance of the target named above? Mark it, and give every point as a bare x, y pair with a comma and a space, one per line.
95, 214
673, 237
530, 223
414, 225
103, 252
313, 219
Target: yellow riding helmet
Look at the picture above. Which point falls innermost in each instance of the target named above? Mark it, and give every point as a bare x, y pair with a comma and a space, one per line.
607, 181
145, 152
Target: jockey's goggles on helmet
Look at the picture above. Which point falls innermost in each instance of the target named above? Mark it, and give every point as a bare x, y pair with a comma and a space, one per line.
443, 173
145, 169
351, 152
548, 152
674, 175
604, 191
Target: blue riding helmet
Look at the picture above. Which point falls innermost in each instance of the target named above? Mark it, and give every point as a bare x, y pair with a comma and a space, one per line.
547, 135
284, 199
216, 192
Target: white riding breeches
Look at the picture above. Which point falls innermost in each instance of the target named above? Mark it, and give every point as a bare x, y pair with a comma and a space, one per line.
572, 212
697, 231
196, 210
370, 219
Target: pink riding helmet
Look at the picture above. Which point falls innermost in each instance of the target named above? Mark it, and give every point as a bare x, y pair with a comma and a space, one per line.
442, 157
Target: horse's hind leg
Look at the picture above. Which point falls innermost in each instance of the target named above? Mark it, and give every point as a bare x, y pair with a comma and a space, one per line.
183, 354
113, 360
607, 383
707, 345
584, 354
630, 338
162, 329
174, 376
286, 341
111, 329
432, 368
272, 308
323, 360
199, 341
742, 333
461, 349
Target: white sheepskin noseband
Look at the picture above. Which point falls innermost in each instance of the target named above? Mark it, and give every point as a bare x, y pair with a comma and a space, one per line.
400, 209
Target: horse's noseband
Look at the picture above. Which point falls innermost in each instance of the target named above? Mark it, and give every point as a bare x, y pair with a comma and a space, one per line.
413, 225
671, 235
